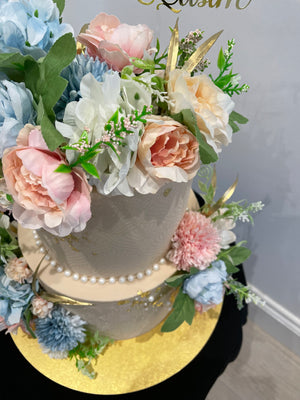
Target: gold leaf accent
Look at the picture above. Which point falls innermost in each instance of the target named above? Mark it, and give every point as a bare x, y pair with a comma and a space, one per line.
173, 51
195, 58
226, 196
54, 298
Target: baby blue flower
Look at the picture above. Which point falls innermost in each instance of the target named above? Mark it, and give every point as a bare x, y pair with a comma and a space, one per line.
16, 110
30, 27
80, 66
207, 286
61, 331
14, 299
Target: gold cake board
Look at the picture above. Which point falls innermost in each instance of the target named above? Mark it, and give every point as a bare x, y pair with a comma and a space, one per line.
128, 365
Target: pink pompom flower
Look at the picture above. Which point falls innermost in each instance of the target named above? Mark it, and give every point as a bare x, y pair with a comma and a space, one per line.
115, 43
195, 243
58, 202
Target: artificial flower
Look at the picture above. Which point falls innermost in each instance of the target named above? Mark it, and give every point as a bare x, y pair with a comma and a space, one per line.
207, 287
16, 110
115, 43
61, 331
168, 151
30, 27
211, 105
17, 270
196, 242
41, 308
14, 299
99, 102
73, 73
224, 225
43, 198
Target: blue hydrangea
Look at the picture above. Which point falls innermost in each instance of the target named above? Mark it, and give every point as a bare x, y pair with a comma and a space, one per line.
207, 286
14, 299
61, 331
16, 110
81, 65
30, 27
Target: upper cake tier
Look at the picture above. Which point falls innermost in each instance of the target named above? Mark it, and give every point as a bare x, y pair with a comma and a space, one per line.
126, 235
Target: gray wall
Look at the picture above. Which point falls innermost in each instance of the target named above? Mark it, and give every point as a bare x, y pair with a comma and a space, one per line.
265, 153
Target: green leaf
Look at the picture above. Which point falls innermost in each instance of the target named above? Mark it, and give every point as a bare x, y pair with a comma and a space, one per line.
90, 169
143, 64
183, 310
187, 117
176, 280
60, 5
233, 257
235, 119
221, 60
12, 64
51, 135
63, 168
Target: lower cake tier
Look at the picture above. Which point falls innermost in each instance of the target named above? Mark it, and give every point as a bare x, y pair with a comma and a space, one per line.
118, 309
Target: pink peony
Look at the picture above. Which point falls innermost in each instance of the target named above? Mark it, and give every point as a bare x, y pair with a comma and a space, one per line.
57, 202
168, 151
113, 42
195, 243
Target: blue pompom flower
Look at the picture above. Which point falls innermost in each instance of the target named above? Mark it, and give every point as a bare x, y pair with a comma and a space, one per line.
207, 286
30, 27
16, 110
61, 331
73, 73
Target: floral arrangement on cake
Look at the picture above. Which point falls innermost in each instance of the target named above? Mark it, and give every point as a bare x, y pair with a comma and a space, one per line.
110, 112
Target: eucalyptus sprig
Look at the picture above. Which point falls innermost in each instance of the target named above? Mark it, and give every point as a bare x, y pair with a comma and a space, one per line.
243, 294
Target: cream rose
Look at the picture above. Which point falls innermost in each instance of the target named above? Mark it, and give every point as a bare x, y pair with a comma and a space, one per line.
168, 151
210, 104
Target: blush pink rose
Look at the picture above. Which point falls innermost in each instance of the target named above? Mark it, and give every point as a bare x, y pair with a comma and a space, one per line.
115, 43
58, 202
168, 151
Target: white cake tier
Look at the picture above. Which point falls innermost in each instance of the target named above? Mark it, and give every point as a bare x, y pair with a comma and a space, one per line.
120, 310
125, 235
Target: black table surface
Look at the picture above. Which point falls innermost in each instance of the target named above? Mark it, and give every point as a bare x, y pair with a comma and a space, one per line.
19, 378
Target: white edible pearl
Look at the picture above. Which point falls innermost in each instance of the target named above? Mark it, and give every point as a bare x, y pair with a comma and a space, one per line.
156, 267
34, 232
101, 281
162, 261
42, 250
93, 279
84, 279
112, 279
122, 279
148, 272
59, 269
53, 263
151, 299
67, 273
36, 237
47, 257
76, 276
140, 275
130, 278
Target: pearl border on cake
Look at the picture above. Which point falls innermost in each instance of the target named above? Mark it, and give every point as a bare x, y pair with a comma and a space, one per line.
93, 279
